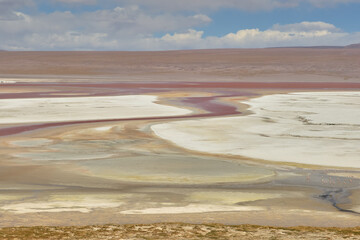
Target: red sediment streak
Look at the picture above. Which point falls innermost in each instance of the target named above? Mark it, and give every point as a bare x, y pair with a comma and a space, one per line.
202, 85
211, 105
25, 95
20, 129
87, 92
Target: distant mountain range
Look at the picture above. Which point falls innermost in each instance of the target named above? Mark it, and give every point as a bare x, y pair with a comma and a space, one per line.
353, 46
356, 45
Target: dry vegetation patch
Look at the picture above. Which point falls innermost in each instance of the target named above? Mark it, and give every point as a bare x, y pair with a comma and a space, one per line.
178, 231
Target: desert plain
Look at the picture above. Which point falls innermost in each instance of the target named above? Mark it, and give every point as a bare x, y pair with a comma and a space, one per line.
235, 136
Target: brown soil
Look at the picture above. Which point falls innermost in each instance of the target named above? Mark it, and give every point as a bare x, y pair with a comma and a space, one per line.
200, 65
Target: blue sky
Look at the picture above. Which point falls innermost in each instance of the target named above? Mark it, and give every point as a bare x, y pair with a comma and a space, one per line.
173, 24
345, 17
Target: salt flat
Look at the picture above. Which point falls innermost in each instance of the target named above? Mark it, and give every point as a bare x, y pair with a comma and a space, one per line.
95, 171
318, 128
34, 110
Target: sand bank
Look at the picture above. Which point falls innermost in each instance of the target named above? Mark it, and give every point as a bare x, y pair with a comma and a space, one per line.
319, 128
193, 208
71, 203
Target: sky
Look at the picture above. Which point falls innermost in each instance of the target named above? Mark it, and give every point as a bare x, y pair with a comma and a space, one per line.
176, 24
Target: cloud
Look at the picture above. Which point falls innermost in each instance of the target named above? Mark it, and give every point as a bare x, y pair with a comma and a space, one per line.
213, 5
190, 5
203, 5
330, 3
85, 2
274, 38
58, 30
186, 40
306, 27
153, 25
131, 29
7, 8
298, 34
208, 5
72, 40
180, 6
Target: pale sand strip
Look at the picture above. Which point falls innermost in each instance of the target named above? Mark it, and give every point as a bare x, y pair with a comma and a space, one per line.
319, 128
58, 203
33, 110
193, 208
85, 206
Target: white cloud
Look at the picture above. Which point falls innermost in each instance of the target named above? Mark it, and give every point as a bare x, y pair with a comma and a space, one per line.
273, 38
121, 24
7, 8
186, 40
72, 40
211, 5
202, 18
330, 3
299, 34
87, 2
208, 5
96, 32
155, 25
306, 27
133, 20
188, 37
201, 5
